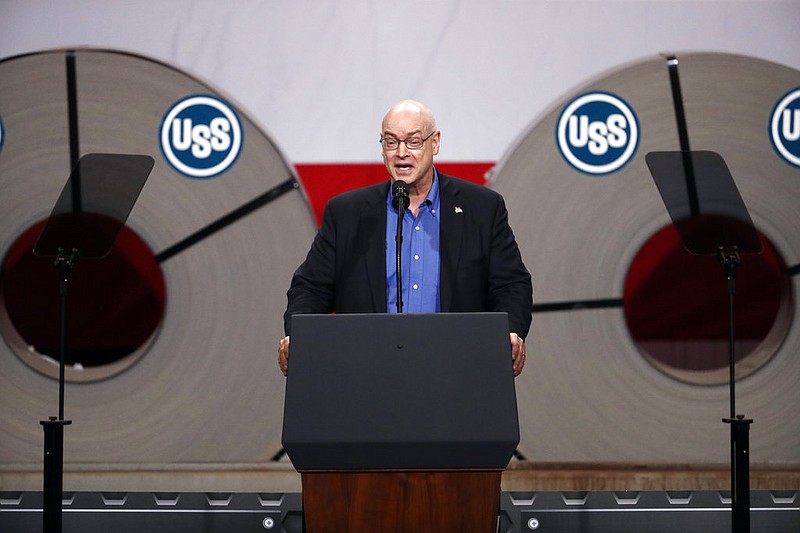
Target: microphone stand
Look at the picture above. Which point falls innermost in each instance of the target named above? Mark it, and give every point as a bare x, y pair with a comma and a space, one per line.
401, 210
400, 201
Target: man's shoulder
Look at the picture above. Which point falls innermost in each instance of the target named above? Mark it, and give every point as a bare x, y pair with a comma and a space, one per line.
459, 186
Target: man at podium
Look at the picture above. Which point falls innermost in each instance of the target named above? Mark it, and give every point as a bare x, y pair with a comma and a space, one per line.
458, 252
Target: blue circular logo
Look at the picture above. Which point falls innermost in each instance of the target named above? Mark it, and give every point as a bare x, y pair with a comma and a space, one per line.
784, 127
597, 133
201, 136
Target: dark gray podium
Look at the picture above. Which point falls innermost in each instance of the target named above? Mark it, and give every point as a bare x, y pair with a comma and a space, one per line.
400, 422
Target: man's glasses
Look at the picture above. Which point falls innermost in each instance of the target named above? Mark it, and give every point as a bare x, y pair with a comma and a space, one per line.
391, 144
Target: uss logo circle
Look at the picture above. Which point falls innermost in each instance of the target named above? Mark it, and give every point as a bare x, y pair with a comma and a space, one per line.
201, 136
785, 127
597, 133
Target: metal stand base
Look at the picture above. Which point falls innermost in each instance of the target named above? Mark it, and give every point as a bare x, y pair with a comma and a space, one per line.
53, 473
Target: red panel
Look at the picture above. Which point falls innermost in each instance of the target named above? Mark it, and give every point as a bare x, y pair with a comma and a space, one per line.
671, 294
323, 181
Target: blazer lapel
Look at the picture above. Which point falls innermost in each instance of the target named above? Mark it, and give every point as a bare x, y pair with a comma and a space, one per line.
372, 231
450, 232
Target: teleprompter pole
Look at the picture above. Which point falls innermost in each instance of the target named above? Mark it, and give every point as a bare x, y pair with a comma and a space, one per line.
54, 427
740, 426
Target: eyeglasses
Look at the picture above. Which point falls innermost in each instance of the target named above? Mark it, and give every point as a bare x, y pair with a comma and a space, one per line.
391, 144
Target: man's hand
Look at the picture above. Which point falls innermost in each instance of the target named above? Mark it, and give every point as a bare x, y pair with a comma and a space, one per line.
517, 353
283, 355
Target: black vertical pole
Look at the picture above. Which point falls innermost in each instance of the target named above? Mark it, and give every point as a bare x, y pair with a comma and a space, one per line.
398, 252
740, 437
740, 427
65, 262
729, 260
54, 428
74, 140
683, 136
53, 474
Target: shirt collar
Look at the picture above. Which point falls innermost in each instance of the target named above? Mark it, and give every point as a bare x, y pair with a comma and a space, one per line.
433, 195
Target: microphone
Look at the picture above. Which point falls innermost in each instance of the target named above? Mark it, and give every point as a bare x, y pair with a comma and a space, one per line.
400, 194
399, 202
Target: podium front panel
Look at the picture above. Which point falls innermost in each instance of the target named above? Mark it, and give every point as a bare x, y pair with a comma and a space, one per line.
407, 391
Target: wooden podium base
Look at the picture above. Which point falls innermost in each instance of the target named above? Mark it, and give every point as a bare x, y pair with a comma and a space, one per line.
407, 501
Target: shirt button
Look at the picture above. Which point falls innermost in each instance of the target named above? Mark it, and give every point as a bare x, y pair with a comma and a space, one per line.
417, 228
416, 257
416, 286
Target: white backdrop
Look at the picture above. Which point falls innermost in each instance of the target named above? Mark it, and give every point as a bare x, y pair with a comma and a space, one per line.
318, 75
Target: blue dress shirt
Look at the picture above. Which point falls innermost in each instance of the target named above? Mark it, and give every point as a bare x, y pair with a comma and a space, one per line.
419, 255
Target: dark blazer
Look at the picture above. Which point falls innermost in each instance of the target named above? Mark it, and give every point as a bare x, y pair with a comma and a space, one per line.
481, 267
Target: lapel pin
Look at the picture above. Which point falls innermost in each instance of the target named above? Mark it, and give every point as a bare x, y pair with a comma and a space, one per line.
459, 210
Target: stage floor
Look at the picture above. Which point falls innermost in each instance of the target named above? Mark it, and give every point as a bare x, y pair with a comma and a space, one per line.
280, 476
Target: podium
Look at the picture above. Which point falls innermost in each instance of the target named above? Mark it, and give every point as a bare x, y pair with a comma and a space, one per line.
400, 422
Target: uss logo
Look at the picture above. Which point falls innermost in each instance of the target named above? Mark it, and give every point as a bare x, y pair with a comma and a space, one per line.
597, 133
201, 136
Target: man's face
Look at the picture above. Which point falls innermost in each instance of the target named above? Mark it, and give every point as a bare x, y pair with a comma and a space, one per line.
414, 166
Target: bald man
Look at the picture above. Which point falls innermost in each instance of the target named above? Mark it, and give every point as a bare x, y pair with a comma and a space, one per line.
459, 253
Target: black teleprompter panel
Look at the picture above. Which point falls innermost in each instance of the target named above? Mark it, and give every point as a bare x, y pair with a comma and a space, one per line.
520, 512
